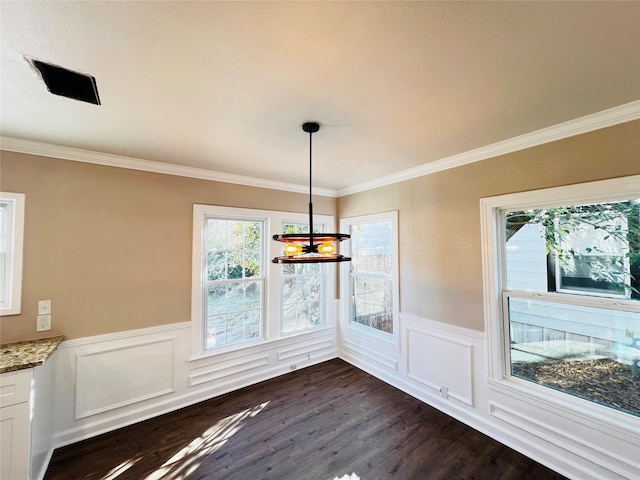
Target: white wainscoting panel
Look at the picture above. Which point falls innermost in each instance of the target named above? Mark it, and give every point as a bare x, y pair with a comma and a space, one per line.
305, 349
371, 356
441, 362
574, 443
111, 381
112, 378
562, 441
227, 368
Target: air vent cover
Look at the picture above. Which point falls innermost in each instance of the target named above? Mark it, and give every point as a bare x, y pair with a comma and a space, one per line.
67, 83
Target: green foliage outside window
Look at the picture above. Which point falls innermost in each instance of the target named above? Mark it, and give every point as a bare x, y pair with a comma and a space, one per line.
233, 249
613, 230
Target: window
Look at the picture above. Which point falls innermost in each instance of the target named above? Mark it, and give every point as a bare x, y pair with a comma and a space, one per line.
373, 274
585, 248
562, 303
239, 297
302, 289
234, 280
11, 236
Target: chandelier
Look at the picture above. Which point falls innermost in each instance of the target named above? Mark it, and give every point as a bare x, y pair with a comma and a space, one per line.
310, 247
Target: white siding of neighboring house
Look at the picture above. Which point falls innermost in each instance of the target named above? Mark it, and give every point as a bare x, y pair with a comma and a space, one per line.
537, 321
527, 260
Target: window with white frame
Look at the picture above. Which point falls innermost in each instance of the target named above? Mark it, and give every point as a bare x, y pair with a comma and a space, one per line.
234, 279
239, 296
563, 300
11, 238
373, 272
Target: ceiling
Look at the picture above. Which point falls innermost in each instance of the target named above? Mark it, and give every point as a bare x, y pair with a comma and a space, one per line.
225, 86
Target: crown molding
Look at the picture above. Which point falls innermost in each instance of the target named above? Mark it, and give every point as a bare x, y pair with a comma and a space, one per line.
88, 156
588, 123
606, 118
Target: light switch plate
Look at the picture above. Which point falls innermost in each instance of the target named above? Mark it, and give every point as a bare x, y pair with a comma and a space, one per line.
44, 307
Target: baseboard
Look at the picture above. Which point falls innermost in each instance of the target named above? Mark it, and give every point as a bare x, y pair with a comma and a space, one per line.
47, 459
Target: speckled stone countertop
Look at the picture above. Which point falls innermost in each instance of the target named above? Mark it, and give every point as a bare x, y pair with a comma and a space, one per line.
26, 354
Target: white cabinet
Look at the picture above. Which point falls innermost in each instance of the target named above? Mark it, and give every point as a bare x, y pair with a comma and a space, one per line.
15, 424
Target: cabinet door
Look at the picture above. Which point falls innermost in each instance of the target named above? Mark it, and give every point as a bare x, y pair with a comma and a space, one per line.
15, 387
14, 442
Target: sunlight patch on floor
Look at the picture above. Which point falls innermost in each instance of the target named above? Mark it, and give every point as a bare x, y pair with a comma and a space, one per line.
120, 469
346, 476
187, 460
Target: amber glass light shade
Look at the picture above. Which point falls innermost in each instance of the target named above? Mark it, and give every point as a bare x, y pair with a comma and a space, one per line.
305, 248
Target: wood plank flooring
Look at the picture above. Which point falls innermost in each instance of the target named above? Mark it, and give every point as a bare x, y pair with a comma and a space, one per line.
317, 423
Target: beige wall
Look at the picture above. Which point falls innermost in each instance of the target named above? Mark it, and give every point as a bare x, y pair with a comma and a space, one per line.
439, 214
111, 247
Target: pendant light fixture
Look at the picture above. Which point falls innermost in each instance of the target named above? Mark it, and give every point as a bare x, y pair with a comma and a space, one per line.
310, 247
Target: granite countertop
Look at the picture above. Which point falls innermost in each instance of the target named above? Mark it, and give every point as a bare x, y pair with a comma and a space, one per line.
26, 354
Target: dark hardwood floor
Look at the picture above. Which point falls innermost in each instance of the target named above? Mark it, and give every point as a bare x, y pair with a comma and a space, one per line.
324, 421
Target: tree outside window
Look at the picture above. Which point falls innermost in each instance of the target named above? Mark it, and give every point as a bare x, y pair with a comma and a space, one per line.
571, 300
234, 281
590, 248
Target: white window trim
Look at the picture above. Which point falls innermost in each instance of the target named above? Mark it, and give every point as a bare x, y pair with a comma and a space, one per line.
13, 264
345, 284
493, 261
271, 327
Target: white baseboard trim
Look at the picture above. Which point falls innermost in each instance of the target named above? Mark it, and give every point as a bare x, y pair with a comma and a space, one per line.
45, 465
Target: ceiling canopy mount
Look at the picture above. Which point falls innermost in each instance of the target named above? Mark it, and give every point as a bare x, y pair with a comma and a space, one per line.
311, 127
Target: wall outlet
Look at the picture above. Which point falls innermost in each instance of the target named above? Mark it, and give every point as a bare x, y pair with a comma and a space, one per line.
444, 391
44, 307
43, 323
